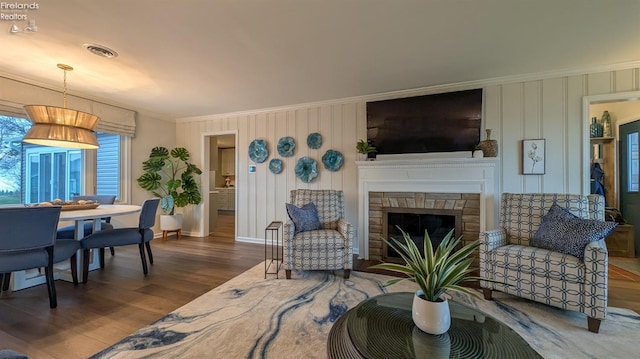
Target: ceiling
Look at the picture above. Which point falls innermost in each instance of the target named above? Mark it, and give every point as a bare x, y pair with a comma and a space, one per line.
189, 58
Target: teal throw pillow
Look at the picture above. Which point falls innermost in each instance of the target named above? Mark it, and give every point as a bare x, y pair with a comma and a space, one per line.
304, 218
561, 231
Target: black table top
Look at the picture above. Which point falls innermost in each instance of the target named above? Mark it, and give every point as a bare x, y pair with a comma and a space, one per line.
382, 327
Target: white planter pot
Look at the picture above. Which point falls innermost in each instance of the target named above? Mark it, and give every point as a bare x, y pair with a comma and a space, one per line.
170, 222
430, 317
478, 154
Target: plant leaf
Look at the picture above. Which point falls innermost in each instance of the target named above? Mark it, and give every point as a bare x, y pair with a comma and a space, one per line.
393, 267
437, 270
171, 172
393, 281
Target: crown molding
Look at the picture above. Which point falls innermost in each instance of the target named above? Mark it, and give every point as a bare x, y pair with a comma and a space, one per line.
458, 86
58, 89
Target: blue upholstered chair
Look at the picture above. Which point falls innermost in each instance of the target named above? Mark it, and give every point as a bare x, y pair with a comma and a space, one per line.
543, 275
28, 240
140, 235
328, 248
68, 232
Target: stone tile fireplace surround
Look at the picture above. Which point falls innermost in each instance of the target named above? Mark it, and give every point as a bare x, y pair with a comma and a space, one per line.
467, 203
408, 181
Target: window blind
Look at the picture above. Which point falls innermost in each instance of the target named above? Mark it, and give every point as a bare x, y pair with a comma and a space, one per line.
14, 94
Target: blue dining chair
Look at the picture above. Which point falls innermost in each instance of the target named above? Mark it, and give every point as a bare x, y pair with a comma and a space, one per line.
68, 232
140, 235
28, 241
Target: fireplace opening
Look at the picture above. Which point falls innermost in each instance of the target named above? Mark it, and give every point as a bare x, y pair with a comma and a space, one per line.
414, 222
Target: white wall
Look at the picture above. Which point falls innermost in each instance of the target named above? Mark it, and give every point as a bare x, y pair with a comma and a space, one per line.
150, 133
261, 195
548, 107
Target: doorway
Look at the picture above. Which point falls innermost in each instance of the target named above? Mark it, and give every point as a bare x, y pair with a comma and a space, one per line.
219, 205
609, 163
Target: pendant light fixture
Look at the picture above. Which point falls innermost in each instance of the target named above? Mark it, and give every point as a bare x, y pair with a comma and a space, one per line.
60, 126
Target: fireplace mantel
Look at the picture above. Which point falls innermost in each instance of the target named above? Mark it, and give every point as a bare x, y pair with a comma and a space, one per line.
434, 175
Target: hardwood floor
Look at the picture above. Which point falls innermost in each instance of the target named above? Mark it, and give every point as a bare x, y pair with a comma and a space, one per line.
119, 300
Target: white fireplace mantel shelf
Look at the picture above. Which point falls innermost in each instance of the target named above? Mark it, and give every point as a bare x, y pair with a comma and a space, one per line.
433, 175
429, 162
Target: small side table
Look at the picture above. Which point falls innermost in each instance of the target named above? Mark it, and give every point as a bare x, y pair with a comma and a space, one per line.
620, 242
277, 252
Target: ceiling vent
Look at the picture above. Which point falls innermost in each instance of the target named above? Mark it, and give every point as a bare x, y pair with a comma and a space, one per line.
100, 50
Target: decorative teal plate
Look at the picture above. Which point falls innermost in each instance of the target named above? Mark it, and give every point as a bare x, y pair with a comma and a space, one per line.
258, 151
332, 160
314, 140
275, 165
306, 169
286, 145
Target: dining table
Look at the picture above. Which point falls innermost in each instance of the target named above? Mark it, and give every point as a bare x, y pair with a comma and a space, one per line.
24, 279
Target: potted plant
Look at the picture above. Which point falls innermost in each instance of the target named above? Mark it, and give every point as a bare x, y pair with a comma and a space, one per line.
434, 273
477, 151
170, 176
367, 149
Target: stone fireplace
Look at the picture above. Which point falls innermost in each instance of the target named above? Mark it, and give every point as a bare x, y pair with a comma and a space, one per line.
415, 212
463, 186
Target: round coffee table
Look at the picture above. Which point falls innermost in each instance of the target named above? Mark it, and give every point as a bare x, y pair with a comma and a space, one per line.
381, 327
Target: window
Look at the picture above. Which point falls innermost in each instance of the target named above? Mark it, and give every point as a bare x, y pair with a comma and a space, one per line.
52, 173
31, 173
108, 165
12, 130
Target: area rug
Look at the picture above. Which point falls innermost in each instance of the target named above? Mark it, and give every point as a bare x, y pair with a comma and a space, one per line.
253, 317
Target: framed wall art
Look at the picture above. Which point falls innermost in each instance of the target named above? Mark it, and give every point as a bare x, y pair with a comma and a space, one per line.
533, 157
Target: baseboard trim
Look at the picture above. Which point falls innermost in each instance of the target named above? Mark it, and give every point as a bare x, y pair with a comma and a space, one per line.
250, 240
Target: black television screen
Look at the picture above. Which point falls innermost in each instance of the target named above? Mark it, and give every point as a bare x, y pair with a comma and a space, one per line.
443, 122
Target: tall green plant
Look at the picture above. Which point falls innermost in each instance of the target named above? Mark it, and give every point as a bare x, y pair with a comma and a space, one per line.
170, 176
437, 271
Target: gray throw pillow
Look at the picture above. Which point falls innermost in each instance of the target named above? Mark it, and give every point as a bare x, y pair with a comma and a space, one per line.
304, 218
563, 232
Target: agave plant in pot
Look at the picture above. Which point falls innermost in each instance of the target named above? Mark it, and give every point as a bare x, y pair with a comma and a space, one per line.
435, 272
170, 176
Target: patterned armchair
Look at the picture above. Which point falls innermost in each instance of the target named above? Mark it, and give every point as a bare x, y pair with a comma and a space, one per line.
329, 248
541, 275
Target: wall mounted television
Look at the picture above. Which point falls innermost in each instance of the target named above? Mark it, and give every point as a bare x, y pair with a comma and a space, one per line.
444, 122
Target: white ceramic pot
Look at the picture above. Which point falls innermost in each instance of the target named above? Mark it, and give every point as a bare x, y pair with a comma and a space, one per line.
430, 317
170, 222
478, 154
